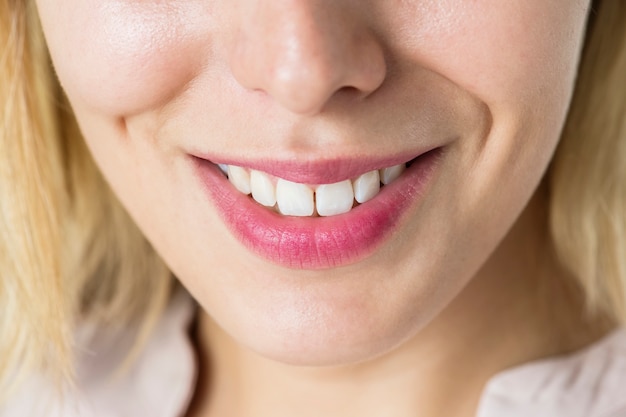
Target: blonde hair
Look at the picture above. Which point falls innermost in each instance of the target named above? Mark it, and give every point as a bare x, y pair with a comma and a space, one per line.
588, 173
68, 250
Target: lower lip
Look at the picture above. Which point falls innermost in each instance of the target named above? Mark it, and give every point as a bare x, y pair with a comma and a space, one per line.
318, 242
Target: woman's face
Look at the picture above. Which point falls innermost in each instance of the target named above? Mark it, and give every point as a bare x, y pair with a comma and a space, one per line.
319, 92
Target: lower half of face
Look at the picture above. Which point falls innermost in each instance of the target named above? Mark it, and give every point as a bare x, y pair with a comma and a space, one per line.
356, 197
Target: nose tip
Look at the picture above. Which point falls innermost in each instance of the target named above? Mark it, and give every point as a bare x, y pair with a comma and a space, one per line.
302, 55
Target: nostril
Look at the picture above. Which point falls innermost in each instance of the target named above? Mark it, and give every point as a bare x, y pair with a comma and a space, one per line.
302, 61
350, 91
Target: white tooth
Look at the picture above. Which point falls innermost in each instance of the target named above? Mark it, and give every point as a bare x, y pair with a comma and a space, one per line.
263, 191
332, 199
240, 178
366, 186
294, 199
387, 175
223, 168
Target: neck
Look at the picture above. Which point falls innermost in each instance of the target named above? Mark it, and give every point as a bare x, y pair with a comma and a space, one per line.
518, 308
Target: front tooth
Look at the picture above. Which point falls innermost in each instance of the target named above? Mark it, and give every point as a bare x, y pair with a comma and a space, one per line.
366, 186
240, 178
263, 191
387, 175
294, 199
332, 199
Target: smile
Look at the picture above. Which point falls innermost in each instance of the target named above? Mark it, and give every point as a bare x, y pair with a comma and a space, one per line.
296, 199
273, 210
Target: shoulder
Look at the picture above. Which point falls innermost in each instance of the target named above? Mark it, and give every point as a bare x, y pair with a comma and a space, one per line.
588, 383
160, 381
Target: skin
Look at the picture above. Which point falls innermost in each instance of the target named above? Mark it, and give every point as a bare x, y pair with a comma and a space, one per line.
467, 287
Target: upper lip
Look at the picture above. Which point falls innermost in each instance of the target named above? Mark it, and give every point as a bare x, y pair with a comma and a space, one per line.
317, 171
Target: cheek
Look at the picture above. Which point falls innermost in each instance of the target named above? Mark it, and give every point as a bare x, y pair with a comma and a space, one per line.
122, 57
520, 58
520, 52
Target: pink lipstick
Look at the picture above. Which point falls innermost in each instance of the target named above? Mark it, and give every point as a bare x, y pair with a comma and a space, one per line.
318, 242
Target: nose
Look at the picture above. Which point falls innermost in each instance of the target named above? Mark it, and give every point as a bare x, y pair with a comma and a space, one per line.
303, 52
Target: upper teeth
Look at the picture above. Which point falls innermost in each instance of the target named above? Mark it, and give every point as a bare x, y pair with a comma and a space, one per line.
295, 199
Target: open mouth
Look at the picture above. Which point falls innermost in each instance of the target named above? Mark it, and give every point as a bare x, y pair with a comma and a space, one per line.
295, 199
313, 224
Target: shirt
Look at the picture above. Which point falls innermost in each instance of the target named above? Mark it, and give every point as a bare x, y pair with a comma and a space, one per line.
160, 383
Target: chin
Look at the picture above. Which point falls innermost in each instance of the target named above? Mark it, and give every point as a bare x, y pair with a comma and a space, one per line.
337, 323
